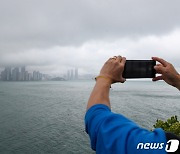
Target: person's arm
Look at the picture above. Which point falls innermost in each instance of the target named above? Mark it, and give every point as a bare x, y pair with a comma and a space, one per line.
168, 73
110, 132
110, 73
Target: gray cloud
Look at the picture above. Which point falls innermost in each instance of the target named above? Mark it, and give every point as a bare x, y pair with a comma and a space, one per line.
43, 32
64, 22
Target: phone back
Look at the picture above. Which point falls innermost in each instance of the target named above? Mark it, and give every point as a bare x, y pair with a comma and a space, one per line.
139, 69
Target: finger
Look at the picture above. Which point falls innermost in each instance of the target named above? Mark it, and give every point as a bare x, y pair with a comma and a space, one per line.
114, 58
110, 59
158, 78
162, 61
159, 69
119, 58
123, 61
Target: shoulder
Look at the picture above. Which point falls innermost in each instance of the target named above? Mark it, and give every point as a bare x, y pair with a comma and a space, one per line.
113, 132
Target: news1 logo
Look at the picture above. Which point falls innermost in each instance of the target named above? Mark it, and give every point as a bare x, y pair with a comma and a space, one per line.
170, 146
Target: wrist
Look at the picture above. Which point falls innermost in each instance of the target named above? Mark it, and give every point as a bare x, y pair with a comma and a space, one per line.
103, 82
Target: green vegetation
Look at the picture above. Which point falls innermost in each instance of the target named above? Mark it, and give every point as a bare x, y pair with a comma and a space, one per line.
170, 125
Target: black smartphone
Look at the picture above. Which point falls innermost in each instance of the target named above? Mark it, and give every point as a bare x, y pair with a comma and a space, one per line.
139, 69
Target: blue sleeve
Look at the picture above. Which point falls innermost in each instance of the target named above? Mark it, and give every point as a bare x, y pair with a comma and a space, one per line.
112, 133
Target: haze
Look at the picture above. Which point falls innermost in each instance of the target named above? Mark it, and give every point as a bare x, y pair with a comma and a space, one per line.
54, 36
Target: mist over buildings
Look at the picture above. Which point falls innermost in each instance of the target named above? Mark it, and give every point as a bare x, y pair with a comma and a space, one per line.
56, 36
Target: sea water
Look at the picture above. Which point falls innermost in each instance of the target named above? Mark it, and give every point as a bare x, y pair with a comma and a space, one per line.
48, 117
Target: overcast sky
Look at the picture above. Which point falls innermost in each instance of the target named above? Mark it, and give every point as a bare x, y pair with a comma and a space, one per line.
55, 35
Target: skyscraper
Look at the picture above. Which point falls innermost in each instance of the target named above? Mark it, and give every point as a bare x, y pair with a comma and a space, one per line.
7, 74
23, 70
3, 75
15, 74
26, 76
35, 76
68, 75
72, 75
76, 73
19, 74
30, 76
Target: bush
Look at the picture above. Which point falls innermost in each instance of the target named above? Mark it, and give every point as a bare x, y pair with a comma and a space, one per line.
170, 125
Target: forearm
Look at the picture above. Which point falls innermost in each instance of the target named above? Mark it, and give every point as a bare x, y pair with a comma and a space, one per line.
177, 85
100, 93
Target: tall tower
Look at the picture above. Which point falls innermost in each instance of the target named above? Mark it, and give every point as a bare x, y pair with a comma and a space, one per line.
35, 76
15, 74
76, 73
7, 73
2, 75
23, 70
72, 75
68, 75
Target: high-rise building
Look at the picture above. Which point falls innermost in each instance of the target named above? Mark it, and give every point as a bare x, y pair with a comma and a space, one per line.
15, 74
8, 73
26, 76
76, 73
20, 75
30, 76
72, 75
23, 71
3, 75
35, 77
68, 75
40, 76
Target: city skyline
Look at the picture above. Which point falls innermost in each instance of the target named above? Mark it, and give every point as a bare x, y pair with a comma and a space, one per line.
21, 74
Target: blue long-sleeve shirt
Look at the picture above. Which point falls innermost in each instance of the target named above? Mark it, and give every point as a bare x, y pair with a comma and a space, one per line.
112, 133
